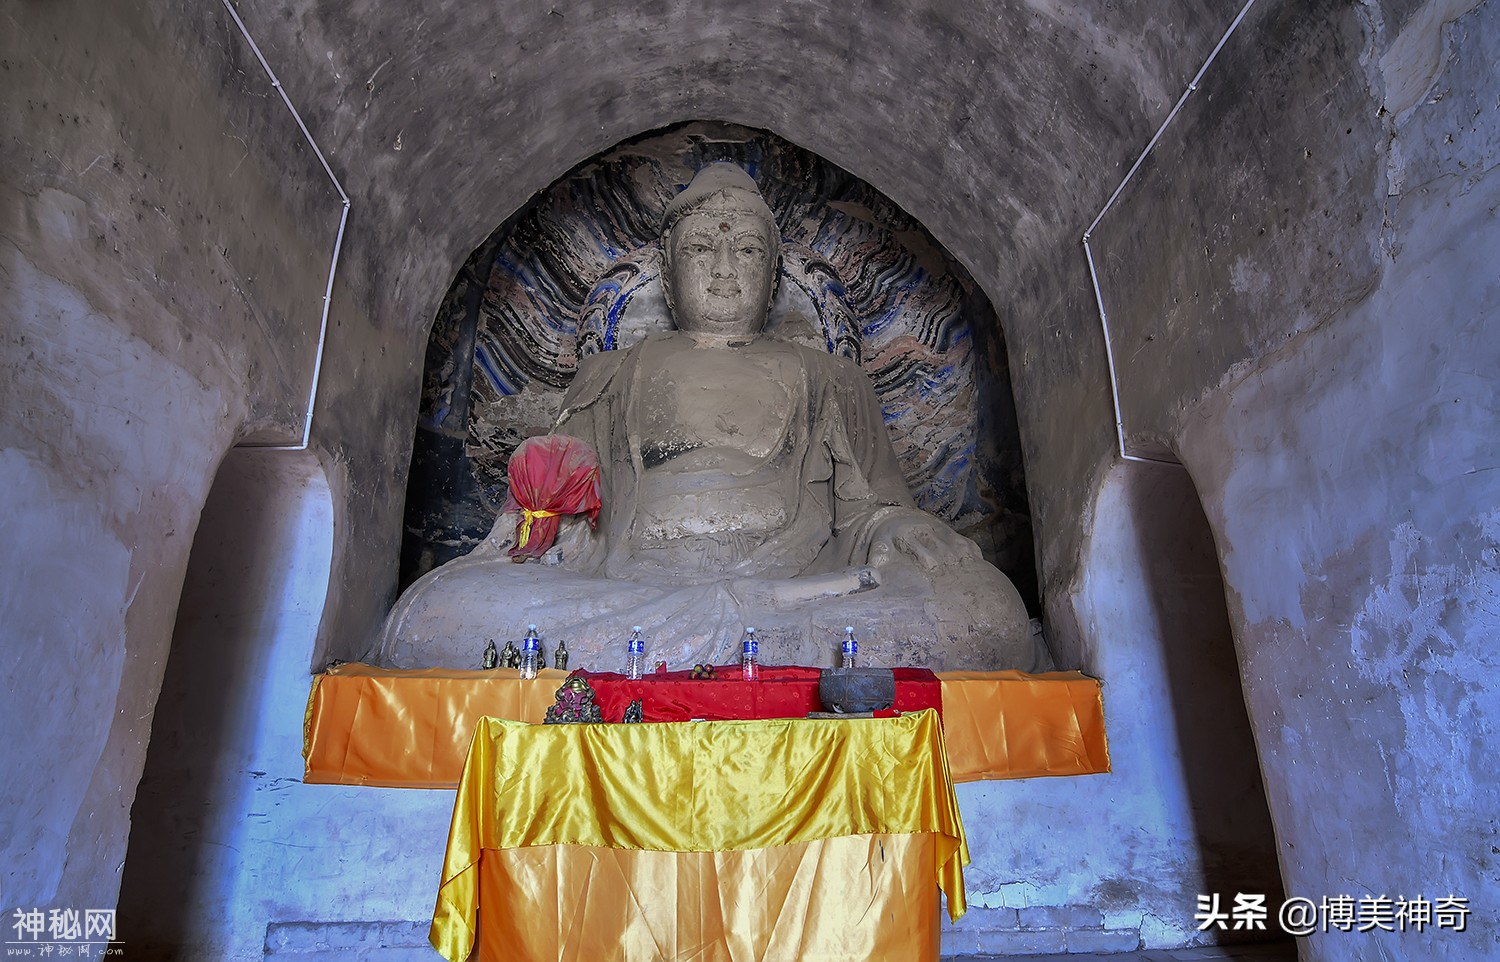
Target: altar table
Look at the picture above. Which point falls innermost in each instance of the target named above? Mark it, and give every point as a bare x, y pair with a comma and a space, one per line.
776, 840
411, 729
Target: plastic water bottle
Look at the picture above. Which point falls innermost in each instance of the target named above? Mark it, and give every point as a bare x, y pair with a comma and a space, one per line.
749, 656
531, 652
635, 658
850, 652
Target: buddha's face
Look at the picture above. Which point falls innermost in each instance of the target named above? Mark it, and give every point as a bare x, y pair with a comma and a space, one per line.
721, 272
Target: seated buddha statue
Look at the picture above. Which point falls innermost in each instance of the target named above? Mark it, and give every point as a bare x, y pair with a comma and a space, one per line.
745, 480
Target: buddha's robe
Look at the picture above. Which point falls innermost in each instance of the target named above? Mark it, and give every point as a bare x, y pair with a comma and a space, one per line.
742, 485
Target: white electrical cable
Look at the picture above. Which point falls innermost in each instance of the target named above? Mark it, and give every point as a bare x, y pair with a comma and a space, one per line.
338, 244
1109, 353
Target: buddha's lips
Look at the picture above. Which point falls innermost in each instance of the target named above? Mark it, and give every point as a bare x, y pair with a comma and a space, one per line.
724, 289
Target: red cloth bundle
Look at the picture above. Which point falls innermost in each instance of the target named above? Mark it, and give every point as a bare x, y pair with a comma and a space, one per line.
550, 476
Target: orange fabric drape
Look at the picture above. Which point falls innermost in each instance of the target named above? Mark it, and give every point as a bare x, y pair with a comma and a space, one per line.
1010, 724
409, 729
376, 726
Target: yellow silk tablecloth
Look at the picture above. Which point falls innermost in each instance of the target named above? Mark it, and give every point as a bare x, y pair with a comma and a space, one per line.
411, 729
761, 788
860, 897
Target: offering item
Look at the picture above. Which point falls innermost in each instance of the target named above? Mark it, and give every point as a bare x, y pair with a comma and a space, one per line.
491, 659
550, 477
852, 690
634, 713
573, 703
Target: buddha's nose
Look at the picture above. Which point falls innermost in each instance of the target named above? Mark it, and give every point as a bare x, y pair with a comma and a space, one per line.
724, 265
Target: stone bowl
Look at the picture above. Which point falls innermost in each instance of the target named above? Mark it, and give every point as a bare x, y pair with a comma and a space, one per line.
852, 690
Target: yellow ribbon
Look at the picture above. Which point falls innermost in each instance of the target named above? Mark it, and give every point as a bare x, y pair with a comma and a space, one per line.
523, 534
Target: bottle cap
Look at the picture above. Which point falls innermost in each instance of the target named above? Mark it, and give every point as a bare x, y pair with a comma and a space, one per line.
636, 628
531, 627
848, 629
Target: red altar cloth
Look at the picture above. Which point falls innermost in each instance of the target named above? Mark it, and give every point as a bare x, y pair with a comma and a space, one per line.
784, 691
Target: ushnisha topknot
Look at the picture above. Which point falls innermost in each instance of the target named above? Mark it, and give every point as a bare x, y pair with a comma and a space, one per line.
720, 184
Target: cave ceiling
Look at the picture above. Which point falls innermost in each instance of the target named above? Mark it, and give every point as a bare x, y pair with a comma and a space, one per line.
1002, 127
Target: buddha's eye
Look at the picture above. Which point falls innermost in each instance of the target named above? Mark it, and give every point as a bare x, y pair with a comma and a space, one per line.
696, 250
749, 250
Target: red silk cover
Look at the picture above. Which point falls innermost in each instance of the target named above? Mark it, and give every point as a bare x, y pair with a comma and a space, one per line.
784, 691
550, 475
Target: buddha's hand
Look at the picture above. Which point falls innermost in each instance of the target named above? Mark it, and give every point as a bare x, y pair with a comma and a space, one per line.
920, 537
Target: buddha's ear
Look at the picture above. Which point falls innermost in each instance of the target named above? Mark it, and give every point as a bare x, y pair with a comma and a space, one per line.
765, 326
667, 266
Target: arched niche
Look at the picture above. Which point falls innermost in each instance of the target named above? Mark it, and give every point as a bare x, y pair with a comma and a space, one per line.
577, 270
1155, 619
230, 708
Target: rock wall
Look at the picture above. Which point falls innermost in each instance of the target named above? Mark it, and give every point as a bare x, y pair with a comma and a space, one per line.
164, 249
1332, 312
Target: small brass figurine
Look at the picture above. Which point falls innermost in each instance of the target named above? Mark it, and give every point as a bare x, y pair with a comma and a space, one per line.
560, 656
511, 656
491, 657
573, 703
541, 657
634, 713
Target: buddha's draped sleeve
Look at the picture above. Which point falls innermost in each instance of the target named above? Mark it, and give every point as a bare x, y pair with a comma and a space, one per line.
593, 410
852, 453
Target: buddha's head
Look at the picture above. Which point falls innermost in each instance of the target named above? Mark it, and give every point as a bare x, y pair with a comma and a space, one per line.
721, 249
